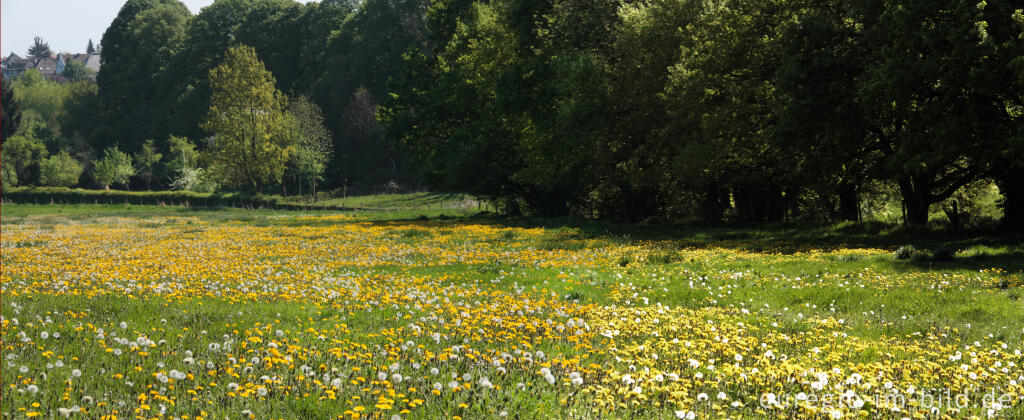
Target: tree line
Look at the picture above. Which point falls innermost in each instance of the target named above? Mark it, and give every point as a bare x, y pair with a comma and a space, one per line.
154, 93
718, 110
669, 110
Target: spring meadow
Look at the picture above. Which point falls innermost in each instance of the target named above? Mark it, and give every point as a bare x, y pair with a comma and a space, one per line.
512, 209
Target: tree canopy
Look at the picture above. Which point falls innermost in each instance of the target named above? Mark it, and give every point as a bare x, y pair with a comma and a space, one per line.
39, 48
76, 71
137, 47
11, 111
665, 110
250, 135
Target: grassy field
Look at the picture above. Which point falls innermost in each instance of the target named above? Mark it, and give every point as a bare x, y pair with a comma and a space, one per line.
398, 202
139, 311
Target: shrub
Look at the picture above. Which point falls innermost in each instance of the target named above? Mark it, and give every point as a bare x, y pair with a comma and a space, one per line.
922, 256
189, 198
60, 170
193, 179
905, 252
20, 154
114, 168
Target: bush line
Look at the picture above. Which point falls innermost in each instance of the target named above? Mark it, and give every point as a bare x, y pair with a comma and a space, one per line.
64, 195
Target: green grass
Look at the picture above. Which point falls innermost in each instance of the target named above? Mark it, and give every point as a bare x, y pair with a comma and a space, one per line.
11, 213
408, 201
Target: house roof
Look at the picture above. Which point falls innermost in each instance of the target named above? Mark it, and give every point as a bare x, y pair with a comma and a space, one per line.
91, 61
46, 66
14, 61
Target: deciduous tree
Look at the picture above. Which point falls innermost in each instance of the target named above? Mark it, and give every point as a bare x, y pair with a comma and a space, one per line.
114, 168
76, 71
146, 161
251, 135
137, 46
22, 154
312, 142
60, 170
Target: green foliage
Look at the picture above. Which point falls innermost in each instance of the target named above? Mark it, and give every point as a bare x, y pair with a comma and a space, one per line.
250, 128
183, 167
60, 170
10, 119
114, 168
191, 198
722, 104
905, 252
312, 147
146, 161
500, 111
22, 155
658, 111
43, 98
138, 46
8, 177
362, 53
81, 111
76, 71
908, 98
192, 178
183, 153
39, 48
272, 27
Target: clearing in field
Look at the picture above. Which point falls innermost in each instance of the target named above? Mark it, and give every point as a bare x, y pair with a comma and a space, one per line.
195, 314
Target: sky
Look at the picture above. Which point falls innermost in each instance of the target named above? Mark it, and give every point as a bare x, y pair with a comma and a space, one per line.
67, 25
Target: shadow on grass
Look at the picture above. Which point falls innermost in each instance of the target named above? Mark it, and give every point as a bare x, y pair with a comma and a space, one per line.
966, 250
970, 250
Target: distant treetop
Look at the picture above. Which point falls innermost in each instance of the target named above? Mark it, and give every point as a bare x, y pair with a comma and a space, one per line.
39, 48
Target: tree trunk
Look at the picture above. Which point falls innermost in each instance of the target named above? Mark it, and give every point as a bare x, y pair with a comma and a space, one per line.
915, 198
712, 207
1011, 185
849, 202
953, 214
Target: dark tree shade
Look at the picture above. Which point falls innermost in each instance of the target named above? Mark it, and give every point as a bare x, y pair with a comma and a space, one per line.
139, 43
274, 28
674, 110
11, 112
39, 48
90, 49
